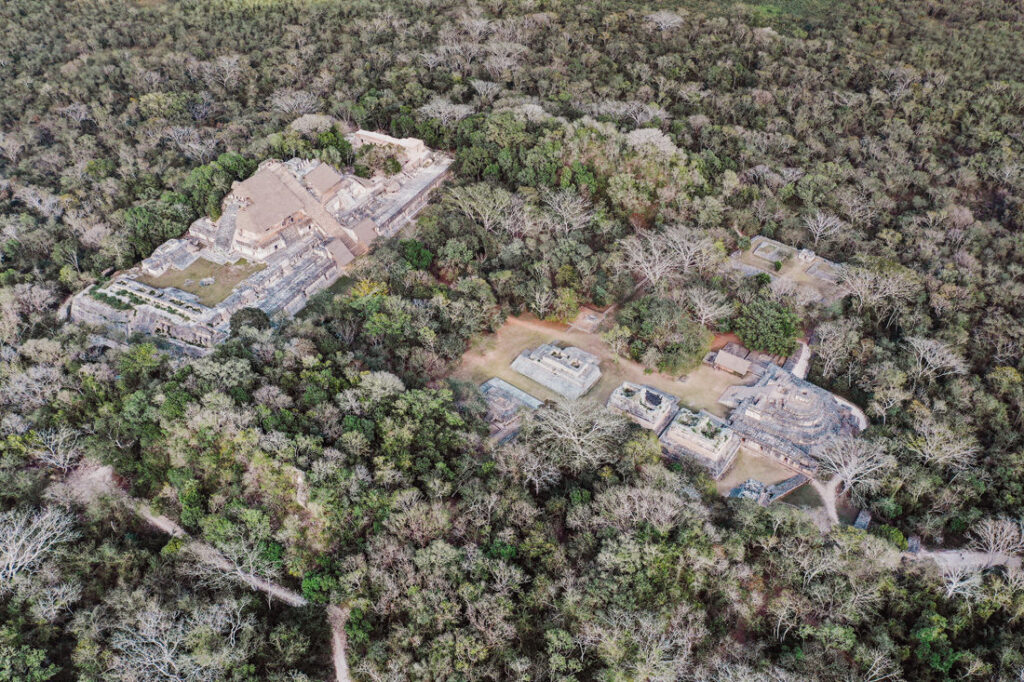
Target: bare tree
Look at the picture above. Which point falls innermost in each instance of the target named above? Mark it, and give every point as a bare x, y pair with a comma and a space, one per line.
836, 341
40, 200
11, 147
823, 226
541, 301
153, 643
432, 60
77, 112
649, 258
488, 90
708, 305
483, 203
997, 537
961, 581
525, 465
627, 507
225, 71
635, 111
933, 359
880, 668
664, 20
568, 211
856, 465
694, 249
295, 102
51, 602
580, 435
27, 538
940, 444
445, 111
191, 142
58, 448
884, 291
651, 138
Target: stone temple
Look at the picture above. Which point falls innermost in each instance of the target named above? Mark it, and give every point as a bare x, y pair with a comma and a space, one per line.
647, 406
505, 403
569, 372
784, 416
703, 437
285, 233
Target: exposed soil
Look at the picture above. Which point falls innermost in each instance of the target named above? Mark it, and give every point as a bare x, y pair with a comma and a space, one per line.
491, 356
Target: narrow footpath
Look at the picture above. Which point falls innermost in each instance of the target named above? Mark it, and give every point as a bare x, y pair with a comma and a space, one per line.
90, 482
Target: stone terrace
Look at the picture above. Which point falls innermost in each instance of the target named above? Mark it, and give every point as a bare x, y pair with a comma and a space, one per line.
298, 224
569, 372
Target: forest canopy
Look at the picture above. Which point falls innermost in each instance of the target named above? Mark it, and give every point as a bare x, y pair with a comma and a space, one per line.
607, 153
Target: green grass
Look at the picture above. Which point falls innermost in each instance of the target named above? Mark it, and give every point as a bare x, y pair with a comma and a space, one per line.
226, 278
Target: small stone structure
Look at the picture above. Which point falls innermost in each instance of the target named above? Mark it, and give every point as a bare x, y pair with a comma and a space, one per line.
753, 490
505, 402
647, 406
569, 372
703, 437
763, 494
737, 359
293, 227
728, 361
784, 416
814, 277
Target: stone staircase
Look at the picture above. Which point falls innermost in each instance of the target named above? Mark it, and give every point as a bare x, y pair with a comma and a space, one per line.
226, 228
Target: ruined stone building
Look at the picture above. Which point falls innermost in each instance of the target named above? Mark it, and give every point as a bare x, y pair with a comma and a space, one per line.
784, 416
703, 437
764, 494
569, 372
647, 406
285, 233
802, 273
505, 404
728, 360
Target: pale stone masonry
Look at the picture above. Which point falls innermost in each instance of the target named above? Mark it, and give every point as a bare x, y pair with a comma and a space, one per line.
810, 275
763, 494
647, 406
505, 403
569, 372
285, 233
785, 417
702, 437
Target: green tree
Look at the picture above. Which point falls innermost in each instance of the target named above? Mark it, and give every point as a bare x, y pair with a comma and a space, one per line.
766, 325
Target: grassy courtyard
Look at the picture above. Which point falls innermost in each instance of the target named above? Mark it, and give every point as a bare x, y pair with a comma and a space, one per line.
492, 354
225, 279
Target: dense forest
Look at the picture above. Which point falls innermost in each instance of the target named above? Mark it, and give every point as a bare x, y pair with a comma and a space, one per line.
605, 152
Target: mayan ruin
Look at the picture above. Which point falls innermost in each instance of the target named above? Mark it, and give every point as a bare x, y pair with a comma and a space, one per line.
784, 417
569, 372
798, 272
702, 437
505, 404
286, 233
645, 405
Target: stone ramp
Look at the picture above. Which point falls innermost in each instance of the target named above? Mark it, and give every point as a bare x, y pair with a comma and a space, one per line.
783, 488
226, 228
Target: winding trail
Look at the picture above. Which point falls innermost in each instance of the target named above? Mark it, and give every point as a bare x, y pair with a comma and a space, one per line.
91, 481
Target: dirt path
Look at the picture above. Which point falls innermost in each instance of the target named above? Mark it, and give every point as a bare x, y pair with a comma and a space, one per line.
953, 558
337, 617
828, 494
91, 481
